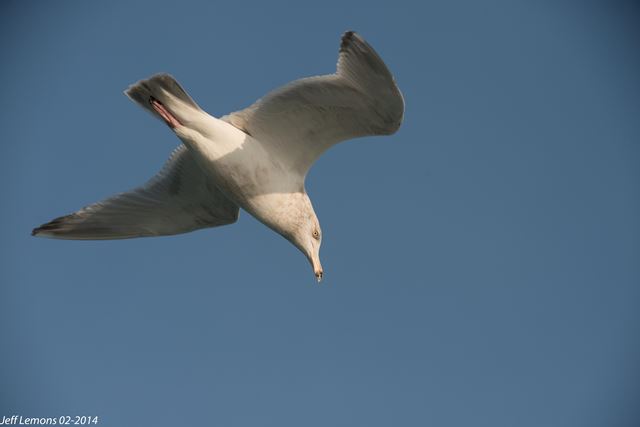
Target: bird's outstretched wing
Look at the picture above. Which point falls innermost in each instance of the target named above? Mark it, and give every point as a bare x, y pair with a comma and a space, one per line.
302, 119
180, 198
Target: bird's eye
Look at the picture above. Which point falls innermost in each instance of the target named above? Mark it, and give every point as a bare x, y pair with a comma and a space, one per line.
316, 234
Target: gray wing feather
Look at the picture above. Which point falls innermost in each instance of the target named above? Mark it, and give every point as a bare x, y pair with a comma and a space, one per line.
180, 198
303, 118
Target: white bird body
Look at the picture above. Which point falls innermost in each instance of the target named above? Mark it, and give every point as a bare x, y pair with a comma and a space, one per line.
245, 171
255, 159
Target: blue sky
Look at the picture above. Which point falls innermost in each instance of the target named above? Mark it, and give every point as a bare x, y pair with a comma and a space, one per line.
481, 265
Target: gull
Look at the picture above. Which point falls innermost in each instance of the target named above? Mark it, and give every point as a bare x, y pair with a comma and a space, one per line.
255, 159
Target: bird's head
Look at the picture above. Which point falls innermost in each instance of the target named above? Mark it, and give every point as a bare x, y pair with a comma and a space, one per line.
292, 216
308, 238
299, 224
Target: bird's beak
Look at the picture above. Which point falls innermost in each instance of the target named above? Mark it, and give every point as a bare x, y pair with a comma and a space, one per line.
317, 268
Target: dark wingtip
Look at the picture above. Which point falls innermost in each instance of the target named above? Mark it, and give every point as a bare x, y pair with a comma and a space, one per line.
346, 39
37, 232
51, 226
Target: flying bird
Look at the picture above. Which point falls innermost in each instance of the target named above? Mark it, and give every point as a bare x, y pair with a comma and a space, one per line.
255, 159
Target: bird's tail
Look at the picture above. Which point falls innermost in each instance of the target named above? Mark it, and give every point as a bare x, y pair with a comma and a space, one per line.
164, 88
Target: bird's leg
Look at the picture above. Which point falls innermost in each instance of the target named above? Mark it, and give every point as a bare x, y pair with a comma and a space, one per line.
166, 115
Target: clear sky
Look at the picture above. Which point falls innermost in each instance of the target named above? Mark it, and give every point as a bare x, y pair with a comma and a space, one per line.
481, 265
